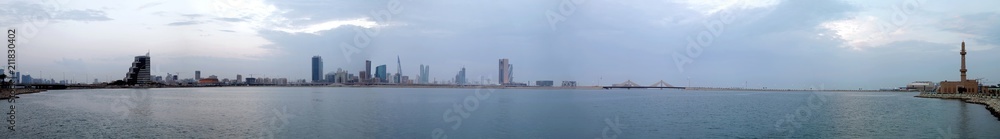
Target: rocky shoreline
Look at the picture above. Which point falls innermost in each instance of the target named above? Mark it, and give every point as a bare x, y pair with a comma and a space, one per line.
992, 102
6, 95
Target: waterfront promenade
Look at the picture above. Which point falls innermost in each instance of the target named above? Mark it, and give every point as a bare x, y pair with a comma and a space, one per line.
992, 102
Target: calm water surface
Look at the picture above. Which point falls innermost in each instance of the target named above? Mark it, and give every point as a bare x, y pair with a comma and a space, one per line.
322, 112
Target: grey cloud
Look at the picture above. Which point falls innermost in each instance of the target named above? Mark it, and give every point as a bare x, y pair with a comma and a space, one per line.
83, 15
147, 5
229, 19
72, 63
983, 26
160, 13
192, 15
761, 45
184, 23
19, 11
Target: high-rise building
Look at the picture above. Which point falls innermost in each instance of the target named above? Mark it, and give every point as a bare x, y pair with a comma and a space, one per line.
380, 73
26, 79
420, 75
506, 70
239, 78
510, 74
361, 79
341, 76
368, 71
317, 69
391, 78
397, 78
139, 72
425, 74
197, 75
399, 70
330, 77
460, 78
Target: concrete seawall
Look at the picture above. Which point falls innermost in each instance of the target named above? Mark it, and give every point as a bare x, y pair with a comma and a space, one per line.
992, 102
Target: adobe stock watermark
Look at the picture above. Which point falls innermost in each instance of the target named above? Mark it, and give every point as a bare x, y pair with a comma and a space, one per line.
946, 133
462, 110
363, 37
275, 122
566, 8
11, 69
32, 23
792, 121
132, 103
612, 128
695, 46
899, 19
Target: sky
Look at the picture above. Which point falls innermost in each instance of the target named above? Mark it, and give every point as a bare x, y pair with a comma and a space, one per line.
831, 44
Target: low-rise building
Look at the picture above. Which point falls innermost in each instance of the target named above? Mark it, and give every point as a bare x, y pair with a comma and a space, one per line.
568, 83
544, 83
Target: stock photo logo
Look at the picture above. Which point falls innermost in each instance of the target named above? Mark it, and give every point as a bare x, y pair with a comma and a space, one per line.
791, 122
613, 129
275, 123
132, 103
363, 37
565, 9
462, 111
713, 29
30, 18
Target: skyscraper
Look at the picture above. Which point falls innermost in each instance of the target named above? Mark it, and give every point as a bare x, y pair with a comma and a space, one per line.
368, 71
139, 72
505, 71
197, 75
398, 77
425, 71
420, 78
317, 69
330, 77
380, 74
510, 73
362, 79
239, 78
399, 69
460, 77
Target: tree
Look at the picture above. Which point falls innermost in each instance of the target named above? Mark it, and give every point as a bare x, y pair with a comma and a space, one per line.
118, 82
3, 81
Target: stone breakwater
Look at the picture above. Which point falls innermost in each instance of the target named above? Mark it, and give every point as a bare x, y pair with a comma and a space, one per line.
992, 102
6, 94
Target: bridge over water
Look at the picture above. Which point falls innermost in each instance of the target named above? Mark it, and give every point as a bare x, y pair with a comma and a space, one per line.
629, 85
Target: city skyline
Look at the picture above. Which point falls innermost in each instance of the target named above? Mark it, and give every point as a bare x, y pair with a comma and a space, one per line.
776, 44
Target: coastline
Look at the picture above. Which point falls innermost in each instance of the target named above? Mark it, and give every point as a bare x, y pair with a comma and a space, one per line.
992, 103
502, 87
21, 91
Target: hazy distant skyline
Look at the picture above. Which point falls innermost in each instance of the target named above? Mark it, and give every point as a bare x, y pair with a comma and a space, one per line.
778, 44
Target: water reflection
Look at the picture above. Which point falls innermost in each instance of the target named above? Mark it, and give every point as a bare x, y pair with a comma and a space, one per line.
301, 112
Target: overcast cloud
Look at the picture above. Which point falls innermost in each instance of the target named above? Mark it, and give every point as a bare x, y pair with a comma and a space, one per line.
768, 43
